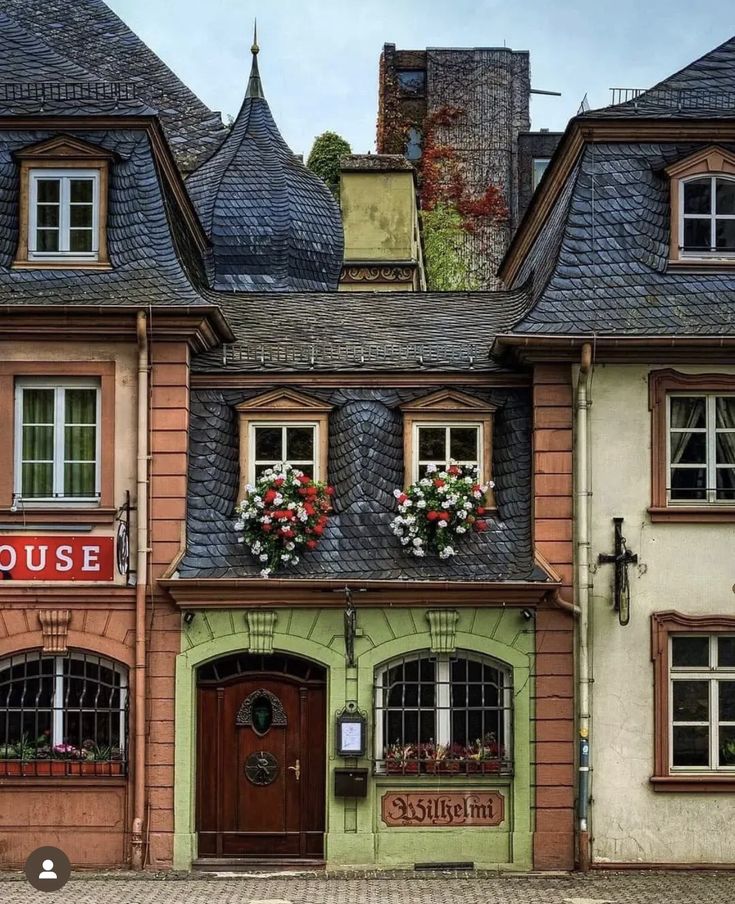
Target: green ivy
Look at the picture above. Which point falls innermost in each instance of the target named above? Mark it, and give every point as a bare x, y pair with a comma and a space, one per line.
444, 256
326, 155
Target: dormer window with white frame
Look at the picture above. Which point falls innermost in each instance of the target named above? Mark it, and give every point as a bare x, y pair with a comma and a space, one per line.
702, 199
63, 216
63, 205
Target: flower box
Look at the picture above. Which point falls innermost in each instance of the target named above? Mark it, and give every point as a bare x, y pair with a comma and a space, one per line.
59, 768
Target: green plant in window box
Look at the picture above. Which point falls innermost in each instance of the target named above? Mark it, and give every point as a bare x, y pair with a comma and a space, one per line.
401, 758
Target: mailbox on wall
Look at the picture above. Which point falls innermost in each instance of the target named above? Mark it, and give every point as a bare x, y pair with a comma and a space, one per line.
350, 782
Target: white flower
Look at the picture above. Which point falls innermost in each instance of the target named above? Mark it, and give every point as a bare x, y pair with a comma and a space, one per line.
425, 482
239, 525
265, 573
397, 493
263, 557
404, 540
249, 488
490, 485
295, 560
256, 547
461, 514
291, 506
278, 499
421, 504
241, 539
303, 516
419, 552
431, 469
417, 541
286, 557
477, 494
446, 504
266, 519
290, 546
446, 553
258, 502
460, 530
442, 523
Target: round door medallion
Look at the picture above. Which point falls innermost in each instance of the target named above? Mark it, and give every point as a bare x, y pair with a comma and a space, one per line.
261, 768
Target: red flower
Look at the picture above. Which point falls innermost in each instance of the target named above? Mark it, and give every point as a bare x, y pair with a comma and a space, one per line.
287, 532
318, 529
453, 470
480, 510
439, 482
480, 526
311, 544
278, 482
402, 498
477, 488
269, 496
311, 491
433, 516
303, 479
303, 491
330, 491
309, 509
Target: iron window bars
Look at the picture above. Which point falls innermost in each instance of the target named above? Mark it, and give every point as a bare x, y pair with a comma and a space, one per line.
64, 715
443, 714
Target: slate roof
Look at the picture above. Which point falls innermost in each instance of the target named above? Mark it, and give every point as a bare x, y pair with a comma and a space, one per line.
274, 224
704, 88
84, 41
147, 270
366, 464
601, 260
368, 331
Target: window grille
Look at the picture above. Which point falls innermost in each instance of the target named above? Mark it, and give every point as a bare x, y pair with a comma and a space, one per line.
63, 715
443, 714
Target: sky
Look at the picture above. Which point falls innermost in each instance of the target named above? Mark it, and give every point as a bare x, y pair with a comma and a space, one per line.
319, 58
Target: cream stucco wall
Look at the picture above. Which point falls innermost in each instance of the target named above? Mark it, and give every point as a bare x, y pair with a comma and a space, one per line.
124, 356
687, 567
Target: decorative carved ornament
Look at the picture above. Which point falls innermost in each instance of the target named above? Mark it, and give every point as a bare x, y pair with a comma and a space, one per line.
261, 768
54, 629
261, 625
244, 716
443, 629
377, 274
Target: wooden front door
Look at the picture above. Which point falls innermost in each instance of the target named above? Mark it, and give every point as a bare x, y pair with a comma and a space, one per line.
261, 760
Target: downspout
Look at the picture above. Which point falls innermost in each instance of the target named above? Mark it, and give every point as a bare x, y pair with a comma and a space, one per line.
139, 764
582, 544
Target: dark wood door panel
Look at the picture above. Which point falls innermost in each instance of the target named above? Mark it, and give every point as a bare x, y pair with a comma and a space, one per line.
275, 811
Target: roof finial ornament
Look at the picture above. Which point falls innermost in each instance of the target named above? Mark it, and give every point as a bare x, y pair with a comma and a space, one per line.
255, 88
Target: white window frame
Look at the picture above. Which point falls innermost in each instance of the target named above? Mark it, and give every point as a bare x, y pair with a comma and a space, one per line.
59, 386
534, 161
64, 176
710, 430
442, 683
713, 674
447, 426
283, 426
713, 217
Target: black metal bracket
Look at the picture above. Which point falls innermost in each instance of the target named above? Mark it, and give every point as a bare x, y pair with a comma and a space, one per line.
621, 558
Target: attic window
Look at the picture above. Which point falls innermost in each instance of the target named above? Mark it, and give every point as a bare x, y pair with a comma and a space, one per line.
63, 205
702, 192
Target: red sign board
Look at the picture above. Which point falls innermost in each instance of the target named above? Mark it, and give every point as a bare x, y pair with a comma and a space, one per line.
24, 558
437, 809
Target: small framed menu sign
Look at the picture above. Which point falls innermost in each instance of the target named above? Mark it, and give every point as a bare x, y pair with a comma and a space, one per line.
351, 732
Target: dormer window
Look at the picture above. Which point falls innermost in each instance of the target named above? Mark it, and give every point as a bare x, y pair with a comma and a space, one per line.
703, 209
63, 205
63, 215
707, 224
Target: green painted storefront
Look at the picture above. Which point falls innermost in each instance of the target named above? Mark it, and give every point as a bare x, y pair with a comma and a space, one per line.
356, 835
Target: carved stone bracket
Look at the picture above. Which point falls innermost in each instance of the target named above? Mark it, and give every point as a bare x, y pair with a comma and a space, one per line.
261, 624
54, 628
443, 628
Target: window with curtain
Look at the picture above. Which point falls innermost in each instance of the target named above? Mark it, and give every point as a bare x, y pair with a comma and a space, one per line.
701, 453
57, 440
702, 688
443, 713
62, 715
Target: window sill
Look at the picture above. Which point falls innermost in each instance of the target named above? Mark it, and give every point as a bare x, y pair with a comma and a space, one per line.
63, 781
701, 263
52, 514
61, 265
693, 514
694, 784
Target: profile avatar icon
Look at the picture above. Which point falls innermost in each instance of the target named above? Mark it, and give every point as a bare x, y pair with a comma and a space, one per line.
48, 870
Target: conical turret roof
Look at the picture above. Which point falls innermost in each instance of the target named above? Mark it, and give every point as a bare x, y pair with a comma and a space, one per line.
274, 225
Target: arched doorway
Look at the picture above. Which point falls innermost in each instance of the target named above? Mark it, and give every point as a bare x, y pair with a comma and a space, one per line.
261, 757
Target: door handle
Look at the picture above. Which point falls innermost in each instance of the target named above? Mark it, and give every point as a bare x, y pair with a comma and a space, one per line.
296, 769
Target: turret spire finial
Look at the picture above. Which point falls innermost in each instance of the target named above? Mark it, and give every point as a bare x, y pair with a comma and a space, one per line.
255, 88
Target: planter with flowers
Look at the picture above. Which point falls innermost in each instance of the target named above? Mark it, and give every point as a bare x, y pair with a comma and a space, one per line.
401, 759
435, 512
25, 757
283, 516
484, 755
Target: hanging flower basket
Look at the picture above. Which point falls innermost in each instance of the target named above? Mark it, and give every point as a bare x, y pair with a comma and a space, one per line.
283, 516
435, 512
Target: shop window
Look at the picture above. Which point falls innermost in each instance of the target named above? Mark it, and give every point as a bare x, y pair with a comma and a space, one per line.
448, 714
57, 440
447, 426
63, 715
63, 204
693, 442
694, 661
280, 427
702, 193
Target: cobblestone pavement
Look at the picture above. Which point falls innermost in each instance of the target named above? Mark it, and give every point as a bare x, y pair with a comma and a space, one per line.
597, 888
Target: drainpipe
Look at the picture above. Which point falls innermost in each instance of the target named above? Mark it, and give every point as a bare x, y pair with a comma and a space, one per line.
582, 544
136, 851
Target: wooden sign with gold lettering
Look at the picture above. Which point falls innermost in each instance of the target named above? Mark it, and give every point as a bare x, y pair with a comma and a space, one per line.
436, 809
